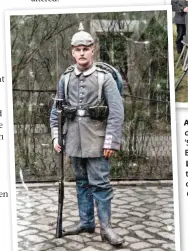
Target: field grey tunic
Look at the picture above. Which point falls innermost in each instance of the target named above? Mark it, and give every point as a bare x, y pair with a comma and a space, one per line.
85, 137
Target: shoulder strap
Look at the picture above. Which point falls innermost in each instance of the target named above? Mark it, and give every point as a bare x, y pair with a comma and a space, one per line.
66, 82
67, 75
100, 82
114, 72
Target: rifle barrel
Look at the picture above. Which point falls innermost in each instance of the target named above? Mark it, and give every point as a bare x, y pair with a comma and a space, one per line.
59, 227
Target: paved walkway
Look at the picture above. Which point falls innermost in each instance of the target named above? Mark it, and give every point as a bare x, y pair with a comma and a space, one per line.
142, 215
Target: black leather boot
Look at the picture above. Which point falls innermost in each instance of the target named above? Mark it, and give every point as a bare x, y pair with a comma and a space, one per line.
86, 210
77, 229
109, 235
106, 231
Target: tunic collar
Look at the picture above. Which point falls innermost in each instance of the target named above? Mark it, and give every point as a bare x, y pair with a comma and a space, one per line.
85, 73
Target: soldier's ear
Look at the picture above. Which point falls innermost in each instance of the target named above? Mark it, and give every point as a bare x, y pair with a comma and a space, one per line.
73, 53
93, 49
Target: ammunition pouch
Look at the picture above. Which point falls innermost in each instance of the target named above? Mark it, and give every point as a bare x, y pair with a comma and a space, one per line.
98, 112
69, 112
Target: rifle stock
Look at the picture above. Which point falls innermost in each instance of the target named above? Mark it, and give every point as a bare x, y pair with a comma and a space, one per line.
59, 227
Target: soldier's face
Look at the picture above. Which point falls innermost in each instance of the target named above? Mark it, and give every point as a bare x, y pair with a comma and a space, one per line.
83, 55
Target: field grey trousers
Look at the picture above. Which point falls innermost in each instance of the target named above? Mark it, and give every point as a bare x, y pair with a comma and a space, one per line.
92, 184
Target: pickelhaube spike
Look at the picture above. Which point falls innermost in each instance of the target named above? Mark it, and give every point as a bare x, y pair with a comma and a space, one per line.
81, 27
82, 37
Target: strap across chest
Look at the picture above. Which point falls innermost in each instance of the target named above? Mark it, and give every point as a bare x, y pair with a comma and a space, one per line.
100, 79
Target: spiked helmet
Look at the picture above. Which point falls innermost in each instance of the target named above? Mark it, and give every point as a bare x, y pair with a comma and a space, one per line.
82, 37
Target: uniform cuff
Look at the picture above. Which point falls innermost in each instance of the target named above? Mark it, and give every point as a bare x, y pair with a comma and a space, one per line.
54, 133
109, 144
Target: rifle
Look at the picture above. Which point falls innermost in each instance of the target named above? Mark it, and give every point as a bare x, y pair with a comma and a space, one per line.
59, 229
59, 107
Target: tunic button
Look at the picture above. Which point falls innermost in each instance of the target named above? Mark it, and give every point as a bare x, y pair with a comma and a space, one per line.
80, 101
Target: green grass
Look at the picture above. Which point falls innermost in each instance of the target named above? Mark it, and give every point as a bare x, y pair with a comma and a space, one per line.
182, 91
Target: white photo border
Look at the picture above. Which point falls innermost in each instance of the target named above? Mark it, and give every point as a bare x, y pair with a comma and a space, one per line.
8, 14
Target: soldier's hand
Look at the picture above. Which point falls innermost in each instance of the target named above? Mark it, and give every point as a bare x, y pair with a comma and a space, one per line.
56, 145
185, 9
108, 153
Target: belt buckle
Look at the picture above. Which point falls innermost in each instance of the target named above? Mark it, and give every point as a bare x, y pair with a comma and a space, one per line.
81, 113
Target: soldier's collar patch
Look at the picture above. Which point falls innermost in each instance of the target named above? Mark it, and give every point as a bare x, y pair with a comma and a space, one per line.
76, 71
90, 71
85, 73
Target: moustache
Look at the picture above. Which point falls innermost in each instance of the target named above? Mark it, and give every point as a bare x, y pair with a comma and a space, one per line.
82, 58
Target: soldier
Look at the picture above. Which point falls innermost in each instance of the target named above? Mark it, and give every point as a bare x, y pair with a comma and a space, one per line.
180, 8
92, 135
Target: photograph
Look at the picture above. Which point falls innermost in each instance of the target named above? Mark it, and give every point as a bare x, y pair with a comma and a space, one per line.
180, 38
92, 110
